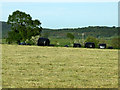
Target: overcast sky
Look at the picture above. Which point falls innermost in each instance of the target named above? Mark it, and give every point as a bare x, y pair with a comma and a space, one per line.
66, 14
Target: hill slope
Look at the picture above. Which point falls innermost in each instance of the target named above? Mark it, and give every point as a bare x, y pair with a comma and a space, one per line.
97, 31
5, 29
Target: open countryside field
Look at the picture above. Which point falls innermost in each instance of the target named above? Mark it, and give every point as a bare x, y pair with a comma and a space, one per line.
58, 67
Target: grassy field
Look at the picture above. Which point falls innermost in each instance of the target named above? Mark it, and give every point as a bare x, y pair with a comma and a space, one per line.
58, 67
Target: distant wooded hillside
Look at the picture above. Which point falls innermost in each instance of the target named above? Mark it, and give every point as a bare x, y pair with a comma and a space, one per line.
5, 29
96, 31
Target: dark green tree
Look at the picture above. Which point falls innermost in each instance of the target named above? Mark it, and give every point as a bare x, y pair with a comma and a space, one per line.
23, 27
115, 42
13, 37
71, 36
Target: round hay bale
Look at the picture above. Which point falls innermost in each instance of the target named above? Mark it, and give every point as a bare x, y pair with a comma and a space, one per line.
43, 42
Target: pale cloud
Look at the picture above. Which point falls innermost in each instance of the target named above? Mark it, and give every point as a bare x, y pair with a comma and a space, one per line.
59, 1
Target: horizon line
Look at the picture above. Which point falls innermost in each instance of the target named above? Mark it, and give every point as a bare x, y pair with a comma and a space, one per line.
76, 27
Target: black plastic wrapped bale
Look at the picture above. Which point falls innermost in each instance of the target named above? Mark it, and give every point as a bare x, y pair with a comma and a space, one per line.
52, 45
43, 42
110, 47
66, 46
102, 46
89, 45
22, 43
28, 44
77, 45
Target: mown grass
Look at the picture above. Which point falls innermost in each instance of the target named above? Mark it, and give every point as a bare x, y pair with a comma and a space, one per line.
58, 67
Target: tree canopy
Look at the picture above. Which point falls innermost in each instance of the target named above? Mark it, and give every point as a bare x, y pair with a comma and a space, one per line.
22, 27
70, 35
115, 42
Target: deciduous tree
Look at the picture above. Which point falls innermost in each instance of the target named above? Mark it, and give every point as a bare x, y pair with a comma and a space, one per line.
23, 27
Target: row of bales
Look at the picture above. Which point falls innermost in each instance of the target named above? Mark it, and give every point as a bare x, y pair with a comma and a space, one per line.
91, 45
46, 42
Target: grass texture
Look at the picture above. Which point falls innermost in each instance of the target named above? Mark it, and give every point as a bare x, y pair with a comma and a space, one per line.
58, 67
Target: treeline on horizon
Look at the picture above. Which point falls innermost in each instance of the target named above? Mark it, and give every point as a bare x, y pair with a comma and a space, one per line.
95, 31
